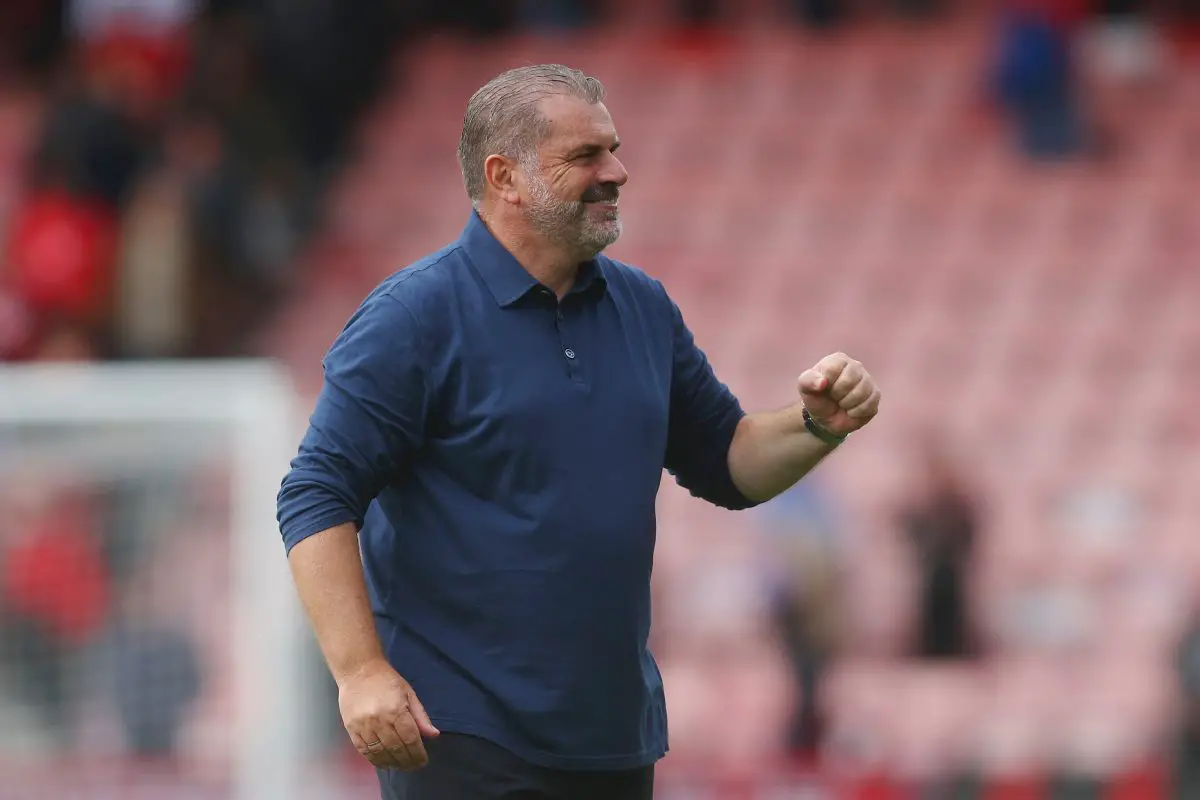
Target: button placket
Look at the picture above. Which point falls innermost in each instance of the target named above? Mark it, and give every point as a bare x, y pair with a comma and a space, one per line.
574, 368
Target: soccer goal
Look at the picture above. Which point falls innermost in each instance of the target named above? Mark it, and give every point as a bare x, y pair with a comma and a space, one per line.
151, 643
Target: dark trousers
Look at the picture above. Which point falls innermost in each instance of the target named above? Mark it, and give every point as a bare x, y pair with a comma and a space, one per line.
469, 768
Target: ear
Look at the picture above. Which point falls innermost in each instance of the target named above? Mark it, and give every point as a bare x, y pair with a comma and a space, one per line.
501, 174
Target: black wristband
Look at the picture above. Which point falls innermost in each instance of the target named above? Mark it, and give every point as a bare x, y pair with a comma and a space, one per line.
827, 436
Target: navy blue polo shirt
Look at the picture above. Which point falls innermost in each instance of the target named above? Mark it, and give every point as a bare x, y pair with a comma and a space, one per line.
501, 452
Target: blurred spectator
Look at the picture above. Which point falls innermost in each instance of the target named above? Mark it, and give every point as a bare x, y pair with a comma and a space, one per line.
815, 14
1187, 753
55, 590
557, 14
137, 47
476, 17
155, 668
805, 571
819, 14
324, 60
1036, 80
941, 525
60, 259
246, 231
153, 317
90, 147
130, 61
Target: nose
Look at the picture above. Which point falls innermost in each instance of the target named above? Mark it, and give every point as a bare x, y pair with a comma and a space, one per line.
614, 171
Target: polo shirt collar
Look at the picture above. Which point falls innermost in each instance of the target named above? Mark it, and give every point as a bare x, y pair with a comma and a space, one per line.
504, 276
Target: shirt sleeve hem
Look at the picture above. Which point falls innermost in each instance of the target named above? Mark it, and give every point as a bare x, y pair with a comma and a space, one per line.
299, 531
730, 496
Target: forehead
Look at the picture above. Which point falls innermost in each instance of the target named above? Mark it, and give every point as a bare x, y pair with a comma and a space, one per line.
574, 121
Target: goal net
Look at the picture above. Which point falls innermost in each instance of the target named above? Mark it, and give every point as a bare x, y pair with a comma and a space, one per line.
151, 644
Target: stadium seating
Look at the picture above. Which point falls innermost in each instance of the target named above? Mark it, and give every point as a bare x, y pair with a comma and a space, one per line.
799, 198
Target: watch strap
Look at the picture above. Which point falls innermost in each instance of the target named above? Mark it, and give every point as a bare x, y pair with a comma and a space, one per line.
824, 434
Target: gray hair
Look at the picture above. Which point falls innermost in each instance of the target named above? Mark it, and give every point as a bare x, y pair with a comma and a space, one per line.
503, 116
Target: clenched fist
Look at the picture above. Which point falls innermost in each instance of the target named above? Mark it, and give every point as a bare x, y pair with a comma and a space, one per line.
384, 718
839, 393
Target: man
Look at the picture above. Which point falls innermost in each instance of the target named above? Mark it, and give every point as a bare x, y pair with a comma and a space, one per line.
493, 427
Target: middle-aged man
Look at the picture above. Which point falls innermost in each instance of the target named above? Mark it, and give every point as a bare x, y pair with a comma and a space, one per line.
493, 427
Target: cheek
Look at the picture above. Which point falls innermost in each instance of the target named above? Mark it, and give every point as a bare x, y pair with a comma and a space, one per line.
573, 183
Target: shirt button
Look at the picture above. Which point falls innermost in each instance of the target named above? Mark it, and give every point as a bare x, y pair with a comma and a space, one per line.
569, 353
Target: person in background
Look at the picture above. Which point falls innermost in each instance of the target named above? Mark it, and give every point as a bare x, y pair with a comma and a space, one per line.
156, 668
59, 265
1035, 78
813, 14
804, 576
941, 525
1187, 752
55, 595
558, 14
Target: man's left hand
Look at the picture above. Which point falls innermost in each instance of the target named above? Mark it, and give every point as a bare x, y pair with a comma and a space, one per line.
839, 393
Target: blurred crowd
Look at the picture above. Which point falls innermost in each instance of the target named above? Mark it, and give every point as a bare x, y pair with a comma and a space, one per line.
177, 167
182, 146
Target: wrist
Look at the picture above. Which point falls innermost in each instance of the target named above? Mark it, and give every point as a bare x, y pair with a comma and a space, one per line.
819, 431
360, 668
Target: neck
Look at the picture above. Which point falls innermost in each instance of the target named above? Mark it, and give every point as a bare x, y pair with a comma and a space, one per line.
550, 263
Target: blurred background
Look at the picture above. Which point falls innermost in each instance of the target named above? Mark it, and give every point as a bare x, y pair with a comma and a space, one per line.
989, 593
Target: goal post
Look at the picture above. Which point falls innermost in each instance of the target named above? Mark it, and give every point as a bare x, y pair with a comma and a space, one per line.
252, 408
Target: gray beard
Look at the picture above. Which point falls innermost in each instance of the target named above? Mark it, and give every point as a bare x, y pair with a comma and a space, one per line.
566, 223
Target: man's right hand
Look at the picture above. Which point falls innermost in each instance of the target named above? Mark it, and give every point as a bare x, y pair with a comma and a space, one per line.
384, 718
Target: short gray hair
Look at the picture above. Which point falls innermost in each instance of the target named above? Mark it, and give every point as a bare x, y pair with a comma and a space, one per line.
503, 116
